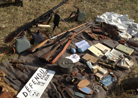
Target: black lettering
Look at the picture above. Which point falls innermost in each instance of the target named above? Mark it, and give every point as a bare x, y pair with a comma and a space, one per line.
36, 77
42, 71
34, 81
40, 75
25, 94
27, 88
31, 85
47, 77
45, 73
41, 83
37, 82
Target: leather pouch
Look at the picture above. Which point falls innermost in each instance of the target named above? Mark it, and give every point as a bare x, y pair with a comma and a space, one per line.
82, 84
89, 57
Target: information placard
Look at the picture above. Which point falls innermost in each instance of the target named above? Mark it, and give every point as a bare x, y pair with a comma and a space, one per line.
35, 87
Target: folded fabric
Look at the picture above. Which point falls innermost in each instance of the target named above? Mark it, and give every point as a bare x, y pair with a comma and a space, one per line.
107, 80
125, 63
82, 45
122, 22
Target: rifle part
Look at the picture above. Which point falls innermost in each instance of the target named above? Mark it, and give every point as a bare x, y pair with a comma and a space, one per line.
63, 90
35, 47
34, 22
18, 78
47, 55
17, 67
68, 43
16, 62
5, 77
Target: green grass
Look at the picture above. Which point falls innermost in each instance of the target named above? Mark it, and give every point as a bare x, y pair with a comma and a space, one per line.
13, 17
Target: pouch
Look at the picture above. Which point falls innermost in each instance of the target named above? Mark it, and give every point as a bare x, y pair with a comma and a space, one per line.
37, 38
22, 44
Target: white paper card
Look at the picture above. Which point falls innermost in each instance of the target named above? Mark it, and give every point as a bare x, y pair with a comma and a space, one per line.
74, 57
35, 87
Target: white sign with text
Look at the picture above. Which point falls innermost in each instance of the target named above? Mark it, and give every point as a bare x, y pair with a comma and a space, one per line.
35, 87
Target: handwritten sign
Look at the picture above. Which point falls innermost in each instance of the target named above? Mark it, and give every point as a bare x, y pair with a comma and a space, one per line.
35, 87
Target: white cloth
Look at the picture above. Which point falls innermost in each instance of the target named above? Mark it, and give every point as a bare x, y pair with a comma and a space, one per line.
74, 57
84, 45
127, 26
125, 63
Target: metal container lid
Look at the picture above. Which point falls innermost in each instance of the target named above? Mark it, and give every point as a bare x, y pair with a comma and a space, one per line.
65, 65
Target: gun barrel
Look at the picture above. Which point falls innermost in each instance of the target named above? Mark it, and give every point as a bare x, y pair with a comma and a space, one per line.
34, 48
46, 56
12, 35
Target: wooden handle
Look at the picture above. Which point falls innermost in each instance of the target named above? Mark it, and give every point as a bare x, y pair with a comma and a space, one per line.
44, 26
33, 48
47, 55
66, 46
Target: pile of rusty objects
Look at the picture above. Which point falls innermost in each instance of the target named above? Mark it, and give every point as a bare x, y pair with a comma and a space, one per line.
86, 61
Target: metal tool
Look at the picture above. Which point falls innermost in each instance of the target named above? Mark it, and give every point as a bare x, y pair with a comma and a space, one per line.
53, 92
63, 90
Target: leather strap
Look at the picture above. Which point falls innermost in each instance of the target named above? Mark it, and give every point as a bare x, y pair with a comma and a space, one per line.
12, 45
8, 51
6, 94
67, 44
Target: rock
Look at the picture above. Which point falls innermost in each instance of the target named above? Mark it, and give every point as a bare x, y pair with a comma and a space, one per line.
2, 26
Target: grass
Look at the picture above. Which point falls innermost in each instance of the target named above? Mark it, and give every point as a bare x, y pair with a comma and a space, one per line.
13, 17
